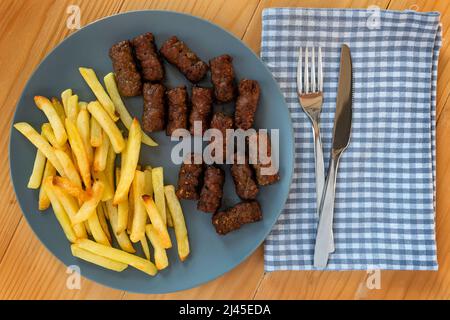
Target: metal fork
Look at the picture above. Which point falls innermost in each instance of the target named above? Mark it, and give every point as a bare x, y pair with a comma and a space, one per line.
309, 90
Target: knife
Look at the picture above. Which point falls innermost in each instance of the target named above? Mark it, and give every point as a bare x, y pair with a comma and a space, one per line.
341, 137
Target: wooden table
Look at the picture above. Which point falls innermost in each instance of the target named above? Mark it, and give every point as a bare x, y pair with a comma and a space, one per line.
31, 28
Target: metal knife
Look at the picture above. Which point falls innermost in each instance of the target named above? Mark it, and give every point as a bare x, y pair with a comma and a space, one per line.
341, 137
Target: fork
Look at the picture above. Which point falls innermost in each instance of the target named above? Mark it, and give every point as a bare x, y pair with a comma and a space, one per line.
310, 95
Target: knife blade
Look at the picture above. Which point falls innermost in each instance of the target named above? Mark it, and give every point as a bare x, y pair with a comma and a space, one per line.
341, 139
343, 115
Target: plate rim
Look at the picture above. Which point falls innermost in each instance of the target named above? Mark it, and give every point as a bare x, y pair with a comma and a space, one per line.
194, 284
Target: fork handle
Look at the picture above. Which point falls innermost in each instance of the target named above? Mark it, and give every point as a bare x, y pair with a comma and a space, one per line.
320, 174
320, 168
323, 237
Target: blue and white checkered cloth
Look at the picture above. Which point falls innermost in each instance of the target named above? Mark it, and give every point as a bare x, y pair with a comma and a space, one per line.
384, 209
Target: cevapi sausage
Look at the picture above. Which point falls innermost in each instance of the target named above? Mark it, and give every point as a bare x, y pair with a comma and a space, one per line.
244, 183
153, 116
189, 178
177, 102
237, 216
152, 68
201, 101
212, 191
222, 122
222, 78
127, 75
181, 56
246, 104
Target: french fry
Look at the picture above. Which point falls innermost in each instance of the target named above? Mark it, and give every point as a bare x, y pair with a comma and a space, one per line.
96, 133
44, 201
46, 106
91, 79
168, 216
97, 230
83, 125
38, 171
108, 126
179, 223
73, 108
88, 208
111, 87
103, 222
69, 168
122, 237
123, 155
76, 143
148, 187
65, 95
140, 216
101, 154
108, 193
60, 213
39, 142
105, 210
158, 190
82, 105
130, 211
88, 229
97, 259
157, 222
145, 248
118, 255
133, 149
47, 133
122, 209
110, 165
59, 108
161, 260
71, 207
70, 188
130, 195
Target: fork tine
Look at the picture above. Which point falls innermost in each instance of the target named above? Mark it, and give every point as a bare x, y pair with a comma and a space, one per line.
299, 72
306, 78
319, 70
313, 70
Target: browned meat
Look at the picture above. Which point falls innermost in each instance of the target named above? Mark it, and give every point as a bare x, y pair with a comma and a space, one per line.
201, 107
234, 218
212, 191
262, 178
181, 56
177, 109
244, 183
153, 116
127, 75
222, 122
246, 104
222, 77
151, 65
189, 179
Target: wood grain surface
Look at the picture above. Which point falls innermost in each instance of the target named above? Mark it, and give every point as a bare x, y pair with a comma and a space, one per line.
30, 29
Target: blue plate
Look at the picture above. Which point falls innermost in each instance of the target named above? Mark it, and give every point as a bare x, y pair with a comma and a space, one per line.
211, 255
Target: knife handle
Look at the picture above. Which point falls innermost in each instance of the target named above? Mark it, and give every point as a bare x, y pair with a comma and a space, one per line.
324, 230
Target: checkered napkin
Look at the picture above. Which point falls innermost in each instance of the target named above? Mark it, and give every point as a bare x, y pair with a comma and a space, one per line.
384, 215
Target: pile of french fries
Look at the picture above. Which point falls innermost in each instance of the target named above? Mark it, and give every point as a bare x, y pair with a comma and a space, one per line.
75, 171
